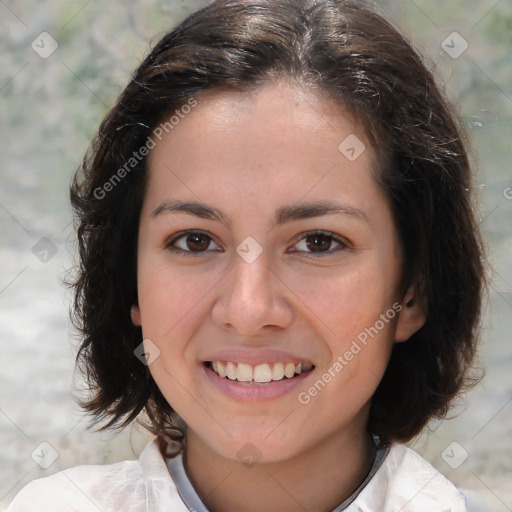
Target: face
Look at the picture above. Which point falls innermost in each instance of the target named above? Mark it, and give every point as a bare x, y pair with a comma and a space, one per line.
286, 267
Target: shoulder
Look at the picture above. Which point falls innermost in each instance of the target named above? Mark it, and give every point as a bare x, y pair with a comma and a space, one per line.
407, 482
130, 486
80, 488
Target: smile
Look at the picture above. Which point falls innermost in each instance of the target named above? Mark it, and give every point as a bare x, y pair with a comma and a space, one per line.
260, 373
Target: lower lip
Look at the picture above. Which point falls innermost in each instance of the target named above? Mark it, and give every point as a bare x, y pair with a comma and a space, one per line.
255, 392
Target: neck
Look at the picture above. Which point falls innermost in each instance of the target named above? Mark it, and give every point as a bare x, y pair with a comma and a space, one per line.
318, 479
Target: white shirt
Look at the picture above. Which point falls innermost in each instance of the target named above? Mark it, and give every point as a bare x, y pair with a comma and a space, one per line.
404, 482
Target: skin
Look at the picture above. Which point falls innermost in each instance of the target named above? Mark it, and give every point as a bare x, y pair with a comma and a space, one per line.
249, 154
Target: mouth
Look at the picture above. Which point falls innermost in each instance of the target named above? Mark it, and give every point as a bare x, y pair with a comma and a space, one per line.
260, 374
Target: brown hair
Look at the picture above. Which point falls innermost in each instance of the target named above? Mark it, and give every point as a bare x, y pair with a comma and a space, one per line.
342, 48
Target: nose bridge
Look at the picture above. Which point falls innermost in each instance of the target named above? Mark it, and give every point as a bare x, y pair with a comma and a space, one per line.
251, 281
252, 299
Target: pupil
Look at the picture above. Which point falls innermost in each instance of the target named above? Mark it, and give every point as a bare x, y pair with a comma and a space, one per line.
320, 242
199, 242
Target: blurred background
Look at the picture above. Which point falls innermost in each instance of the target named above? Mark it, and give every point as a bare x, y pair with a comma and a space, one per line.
62, 65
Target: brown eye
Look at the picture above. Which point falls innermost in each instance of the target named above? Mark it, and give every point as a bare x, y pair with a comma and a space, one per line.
197, 242
191, 243
320, 243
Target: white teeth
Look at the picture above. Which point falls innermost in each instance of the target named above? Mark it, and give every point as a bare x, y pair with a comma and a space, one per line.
289, 370
278, 371
244, 372
261, 373
231, 369
221, 369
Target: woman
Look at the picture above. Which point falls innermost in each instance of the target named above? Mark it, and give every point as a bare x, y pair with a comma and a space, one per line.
279, 267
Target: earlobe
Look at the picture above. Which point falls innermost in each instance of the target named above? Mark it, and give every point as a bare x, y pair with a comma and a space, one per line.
411, 318
135, 315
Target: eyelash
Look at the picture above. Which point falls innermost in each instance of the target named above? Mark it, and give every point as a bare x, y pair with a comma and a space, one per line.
342, 244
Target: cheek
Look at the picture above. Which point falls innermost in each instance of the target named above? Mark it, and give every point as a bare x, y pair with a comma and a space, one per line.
171, 304
347, 299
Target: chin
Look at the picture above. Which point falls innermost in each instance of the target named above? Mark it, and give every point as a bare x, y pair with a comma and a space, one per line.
256, 445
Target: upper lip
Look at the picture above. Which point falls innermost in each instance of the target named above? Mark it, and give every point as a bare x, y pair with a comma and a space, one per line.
256, 356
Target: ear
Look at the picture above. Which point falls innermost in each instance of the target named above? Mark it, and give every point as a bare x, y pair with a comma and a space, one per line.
412, 316
135, 315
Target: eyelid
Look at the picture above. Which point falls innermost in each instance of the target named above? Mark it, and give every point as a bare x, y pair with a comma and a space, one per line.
176, 236
343, 243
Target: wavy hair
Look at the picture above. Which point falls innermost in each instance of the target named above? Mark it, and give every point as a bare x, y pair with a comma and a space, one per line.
347, 50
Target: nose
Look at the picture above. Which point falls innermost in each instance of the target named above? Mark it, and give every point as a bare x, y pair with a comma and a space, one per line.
253, 299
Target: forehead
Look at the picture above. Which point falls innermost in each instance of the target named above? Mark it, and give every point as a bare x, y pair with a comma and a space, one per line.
279, 108
275, 141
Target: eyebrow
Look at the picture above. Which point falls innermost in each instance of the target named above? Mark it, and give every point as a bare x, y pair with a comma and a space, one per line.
284, 214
